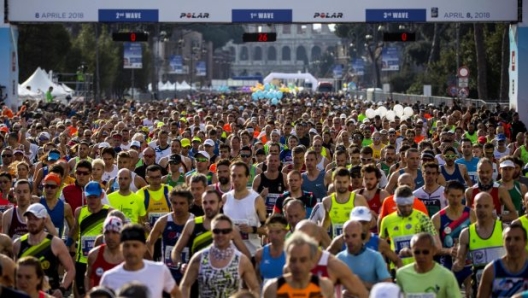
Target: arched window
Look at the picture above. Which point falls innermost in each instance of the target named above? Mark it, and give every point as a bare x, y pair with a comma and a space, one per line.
286, 53
244, 56
316, 53
257, 54
301, 54
272, 53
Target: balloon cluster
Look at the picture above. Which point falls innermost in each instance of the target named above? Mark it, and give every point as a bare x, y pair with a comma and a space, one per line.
223, 89
267, 91
397, 110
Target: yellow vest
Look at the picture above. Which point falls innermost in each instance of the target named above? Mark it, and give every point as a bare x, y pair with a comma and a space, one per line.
340, 213
90, 226
484, 251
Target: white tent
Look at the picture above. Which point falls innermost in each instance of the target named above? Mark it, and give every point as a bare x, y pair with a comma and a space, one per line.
292, 76
184, 86
39, 80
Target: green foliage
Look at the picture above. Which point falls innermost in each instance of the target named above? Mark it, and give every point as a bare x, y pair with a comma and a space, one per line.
220, 34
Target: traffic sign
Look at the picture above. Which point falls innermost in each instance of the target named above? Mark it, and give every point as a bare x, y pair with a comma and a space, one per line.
463, 92
463, 82
463, 72
452, 90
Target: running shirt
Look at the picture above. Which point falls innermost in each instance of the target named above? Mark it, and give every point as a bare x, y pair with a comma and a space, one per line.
471, 167
243, 211
307, 198
450, 232
494, 192
180, 181
498, 155
219, 190
484, 251
312, 290
516, 197
507, 284
375, 202
456, 175
418, 181
270, 267
56, 215
219, 282
169, 237
434, 201
438, 282
131, 205
43, 252
317, 186
18, 226
200, 237
321, 269
524, 223
340, 213
275, 189
156, 202
99, 266
90, 226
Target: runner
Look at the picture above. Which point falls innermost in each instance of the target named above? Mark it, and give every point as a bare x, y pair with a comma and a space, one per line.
270, 259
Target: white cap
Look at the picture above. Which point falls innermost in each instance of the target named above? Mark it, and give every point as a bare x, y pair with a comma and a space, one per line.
361, 213
312, 130
38, 210
209, 142
507, 164
343, 116
386, 290
203, 153
135, 143
104, 145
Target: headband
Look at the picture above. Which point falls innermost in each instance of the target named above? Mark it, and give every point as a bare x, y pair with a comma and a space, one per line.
404, 200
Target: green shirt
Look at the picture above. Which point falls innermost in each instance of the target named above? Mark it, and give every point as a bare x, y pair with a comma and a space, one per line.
49, 97
437, 283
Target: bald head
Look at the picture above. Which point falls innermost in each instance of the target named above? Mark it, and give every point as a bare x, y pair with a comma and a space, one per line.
353, 226
406, 179
483, 198
309, 228
123, 173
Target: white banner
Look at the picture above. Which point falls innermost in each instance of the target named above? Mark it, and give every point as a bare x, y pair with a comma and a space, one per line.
275, 11
132, 55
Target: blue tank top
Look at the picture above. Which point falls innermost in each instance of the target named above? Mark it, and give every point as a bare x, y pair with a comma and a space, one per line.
450, 232
317, 187
507, 284
169, 237
56, 215
373, 243
457, 175
471, 167
269, 266
418, 181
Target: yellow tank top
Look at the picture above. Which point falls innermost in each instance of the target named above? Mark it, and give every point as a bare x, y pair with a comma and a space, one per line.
90, 226
313, 290
376, 152
524, 222
340, 213
157, 203
484, 251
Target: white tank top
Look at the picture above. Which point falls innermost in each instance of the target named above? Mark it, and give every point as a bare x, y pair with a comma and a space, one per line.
107, 176
321, 165
133, 186
243, 212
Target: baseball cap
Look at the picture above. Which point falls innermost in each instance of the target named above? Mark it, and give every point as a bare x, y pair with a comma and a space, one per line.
313, 130
482, 140
38, 210
202, 153
342, 116
93, 188
196, 139
386, 290
52, 177
54, 155
507, 164
135, 143
175, 158
18, 151
44, 136
361, 213
383, 132
209, 142
112, 223
428, 154
4, 129
501, 137
104, 145
185, 142
392, 130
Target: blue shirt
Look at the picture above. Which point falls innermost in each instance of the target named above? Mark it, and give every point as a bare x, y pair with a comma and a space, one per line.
368, 265
471, 167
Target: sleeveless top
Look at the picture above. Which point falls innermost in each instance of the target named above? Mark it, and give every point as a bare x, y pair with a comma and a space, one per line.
18, 227
434, 201
179, 182
450, 232
219, 282
56, 215
200, 237
90, 226
320, 165
100, 266
340, 213
115, 184
471, 167
418, 181
456, 175
219, 190
252, 174
494, 194
156, 207
524, 154
269, 266
312, 290
484, 251
321, 269
516, 197
275, 189
506, 284
169, 237
375, 202
524, 223
317, 186
243, 212
43, 252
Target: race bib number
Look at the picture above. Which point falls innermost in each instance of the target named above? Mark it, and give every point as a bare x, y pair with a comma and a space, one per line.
402, 242
270, 201
481, 257
154, 216
87, 243
337, 229
167, 256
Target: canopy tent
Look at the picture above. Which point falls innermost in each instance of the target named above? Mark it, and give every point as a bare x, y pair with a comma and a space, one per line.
292, 76
39, 80
184, 86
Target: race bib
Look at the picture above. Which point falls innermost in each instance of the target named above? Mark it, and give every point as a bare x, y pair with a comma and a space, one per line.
481, 257
337, 229
238, 222
402, 242
154, 216
87, 243
167, 256
270, 201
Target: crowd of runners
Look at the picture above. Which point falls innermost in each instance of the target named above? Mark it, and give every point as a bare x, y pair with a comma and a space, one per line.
225, 196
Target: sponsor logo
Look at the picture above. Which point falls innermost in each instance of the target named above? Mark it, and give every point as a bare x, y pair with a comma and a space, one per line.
328, 15
194, 15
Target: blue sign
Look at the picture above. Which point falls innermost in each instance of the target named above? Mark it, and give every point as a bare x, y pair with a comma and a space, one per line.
128, 15
201, 69
390, 59
132, 55
262, 15
176, 64
395, 15
338, 70
358, 65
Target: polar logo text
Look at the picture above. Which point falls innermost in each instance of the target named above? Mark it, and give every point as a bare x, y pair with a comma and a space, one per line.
328, 15
194, 15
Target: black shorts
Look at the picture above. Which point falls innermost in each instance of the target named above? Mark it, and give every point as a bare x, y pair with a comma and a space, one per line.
80, 270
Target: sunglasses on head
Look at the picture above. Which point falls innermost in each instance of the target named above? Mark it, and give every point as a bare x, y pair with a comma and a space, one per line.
222, 231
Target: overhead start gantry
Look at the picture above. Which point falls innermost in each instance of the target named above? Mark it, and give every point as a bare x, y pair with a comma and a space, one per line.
267, 12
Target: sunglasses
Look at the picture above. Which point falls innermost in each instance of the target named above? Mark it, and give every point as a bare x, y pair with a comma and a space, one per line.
366, 159
50, 186
424, 252
174, 162
82, 173
450, 156
148, 155
7, 155
245, 155
202, 159
222, 231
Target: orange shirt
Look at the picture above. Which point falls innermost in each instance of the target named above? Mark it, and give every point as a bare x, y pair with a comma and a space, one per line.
389, 206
